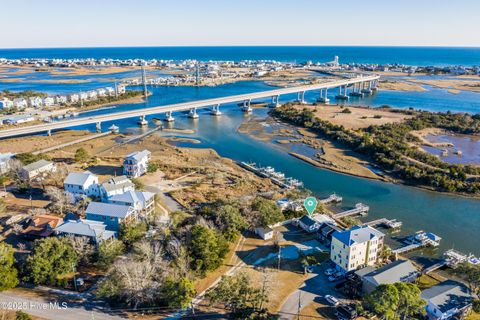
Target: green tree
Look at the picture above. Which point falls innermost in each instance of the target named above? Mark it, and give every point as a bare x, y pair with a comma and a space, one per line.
27, 157
132, 232
20, 315
476, 305
396, 301
178, 293
208, 248
108, 251
227, 218
81, 155
51, 261
266, 212
8, 273
471, 274
238, 296
152, 167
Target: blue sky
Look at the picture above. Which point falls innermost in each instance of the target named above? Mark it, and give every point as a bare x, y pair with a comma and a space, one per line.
74, 23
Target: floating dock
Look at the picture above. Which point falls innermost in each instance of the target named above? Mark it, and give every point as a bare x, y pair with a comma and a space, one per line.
333, 198
391, 224
419, 240
276, 177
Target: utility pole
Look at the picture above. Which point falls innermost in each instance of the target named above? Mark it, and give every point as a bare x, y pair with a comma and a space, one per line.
279, 256
299, 304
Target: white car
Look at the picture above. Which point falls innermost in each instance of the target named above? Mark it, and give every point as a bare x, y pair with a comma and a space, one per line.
329, 272
332, 300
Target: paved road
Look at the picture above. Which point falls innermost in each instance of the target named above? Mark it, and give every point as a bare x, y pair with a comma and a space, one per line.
315, 287
46, 308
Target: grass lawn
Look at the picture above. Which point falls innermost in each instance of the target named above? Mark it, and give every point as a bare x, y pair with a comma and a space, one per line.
473, 316
426, 281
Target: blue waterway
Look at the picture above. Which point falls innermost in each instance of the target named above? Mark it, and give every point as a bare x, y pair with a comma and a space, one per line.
406, 55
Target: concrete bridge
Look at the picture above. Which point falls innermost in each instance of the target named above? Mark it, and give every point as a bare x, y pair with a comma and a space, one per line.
360, 85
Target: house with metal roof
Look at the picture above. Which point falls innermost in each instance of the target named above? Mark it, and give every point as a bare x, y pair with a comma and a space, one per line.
397, 271
38, 168
96, 231
356, 247
82, 183
136, 163
115, 186
447, 300
326, 231
142, 202
41, 226
113, 215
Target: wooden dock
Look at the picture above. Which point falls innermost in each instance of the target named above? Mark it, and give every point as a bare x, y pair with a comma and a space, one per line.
392, 224
333, 198
360, 209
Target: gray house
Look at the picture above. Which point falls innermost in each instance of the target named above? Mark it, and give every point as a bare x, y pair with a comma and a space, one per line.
113, 215
447, 300
398, 271
94, 230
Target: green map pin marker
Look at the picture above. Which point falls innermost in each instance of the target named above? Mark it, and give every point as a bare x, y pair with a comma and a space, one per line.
310, 204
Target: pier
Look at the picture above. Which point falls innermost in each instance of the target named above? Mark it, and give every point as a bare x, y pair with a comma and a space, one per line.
391, 224
333, 198
276, 177
452, 259
187, 106
419, 240
360, 209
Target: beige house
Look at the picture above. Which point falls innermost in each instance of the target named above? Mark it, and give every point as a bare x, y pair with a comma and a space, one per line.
38, 168
356, 248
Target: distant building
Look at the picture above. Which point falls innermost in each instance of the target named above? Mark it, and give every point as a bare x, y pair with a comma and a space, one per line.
110, 91
356, 247
136, 163
447, 300
120, 89
101, 92
37, 169
23, 118
48, 101
61, 99
20, 103
82, 183
6, 103
96, 231
73, 98
41, 226
92, 95
5, 161
113, 215
142, 202
35, 102
115, 186
397, 271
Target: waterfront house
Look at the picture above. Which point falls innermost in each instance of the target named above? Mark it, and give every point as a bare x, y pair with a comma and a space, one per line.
41, 226
447, 300
355, 248
61, 99
96, 231
6, 103
37, 169
115, 186
110, 91
136, 163
48, 101
142, 202
83, 96
308, 224
92, 95
101, 92
326, 231
20, 103
264, 233
120, 89
113, 215
82, 183
73, 98
35, 102
397, 271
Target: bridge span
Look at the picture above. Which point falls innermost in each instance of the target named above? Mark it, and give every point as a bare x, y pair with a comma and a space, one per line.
360, 85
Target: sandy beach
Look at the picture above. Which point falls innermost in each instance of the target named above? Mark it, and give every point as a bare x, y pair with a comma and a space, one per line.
399, 86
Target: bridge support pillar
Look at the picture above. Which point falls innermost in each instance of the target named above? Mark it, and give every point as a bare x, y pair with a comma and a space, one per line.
246, 106
275, 102
98, 126
301, 97
342, 95
366, 88
216, 110
169, 117
49, 132
193, 113
323, 98
142, 121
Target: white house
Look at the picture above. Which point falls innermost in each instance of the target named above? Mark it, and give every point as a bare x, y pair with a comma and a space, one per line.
20, 103
73, 98
447, 300
35, 102
110, 91
356, 247
5, 160
83, 96
37, 168
82, 183
314, 222
120, 89
48, 101
92, 95
264, 233
136, 163
115, 186
101, 92
6, 103
61, 99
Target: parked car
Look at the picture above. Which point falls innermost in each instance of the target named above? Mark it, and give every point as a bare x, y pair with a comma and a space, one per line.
332, 300
335, 277
346, 312
329, 272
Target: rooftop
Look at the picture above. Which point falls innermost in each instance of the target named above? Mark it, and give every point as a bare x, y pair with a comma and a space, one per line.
108, 209
138, 155
86, 228
397, 271
78, 178
37, 165
448, 295
357, 234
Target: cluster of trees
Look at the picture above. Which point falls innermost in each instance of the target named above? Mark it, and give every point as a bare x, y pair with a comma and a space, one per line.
396, 301
391, 147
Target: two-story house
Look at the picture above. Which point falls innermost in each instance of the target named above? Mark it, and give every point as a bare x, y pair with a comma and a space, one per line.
112, 215
115, 186
82, 183
356, 247
142, 202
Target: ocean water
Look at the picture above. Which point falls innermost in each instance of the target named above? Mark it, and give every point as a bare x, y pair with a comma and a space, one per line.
420, 56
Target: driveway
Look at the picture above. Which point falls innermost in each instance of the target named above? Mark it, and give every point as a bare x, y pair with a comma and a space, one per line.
315, 287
